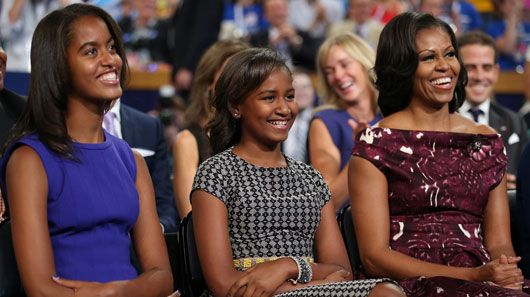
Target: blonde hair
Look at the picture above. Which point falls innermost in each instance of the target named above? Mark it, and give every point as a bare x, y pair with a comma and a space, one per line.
358, 50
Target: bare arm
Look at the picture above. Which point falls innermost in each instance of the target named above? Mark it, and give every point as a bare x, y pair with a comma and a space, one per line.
507, 42
27, 186
369, 203
325, 157
185, 163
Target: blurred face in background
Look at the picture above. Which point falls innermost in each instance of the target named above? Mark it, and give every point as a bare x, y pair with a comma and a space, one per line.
482, 72
435, 7
304, 90
276, 12
360, 10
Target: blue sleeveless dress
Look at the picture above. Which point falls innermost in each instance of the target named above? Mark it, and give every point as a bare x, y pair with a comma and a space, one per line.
92, 206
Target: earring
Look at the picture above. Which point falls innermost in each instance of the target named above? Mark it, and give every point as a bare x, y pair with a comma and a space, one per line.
236, 115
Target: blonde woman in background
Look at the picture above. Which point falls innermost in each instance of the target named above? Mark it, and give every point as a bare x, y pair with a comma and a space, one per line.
343, 64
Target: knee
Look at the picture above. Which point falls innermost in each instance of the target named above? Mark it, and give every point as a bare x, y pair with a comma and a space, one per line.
387, 290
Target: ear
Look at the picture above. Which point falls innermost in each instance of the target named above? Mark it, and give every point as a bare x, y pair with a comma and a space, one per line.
235, 111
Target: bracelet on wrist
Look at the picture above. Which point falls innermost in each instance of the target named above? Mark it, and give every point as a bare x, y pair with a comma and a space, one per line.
305, 274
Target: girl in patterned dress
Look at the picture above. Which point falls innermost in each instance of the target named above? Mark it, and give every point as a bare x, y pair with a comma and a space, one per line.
261, 218
427, 182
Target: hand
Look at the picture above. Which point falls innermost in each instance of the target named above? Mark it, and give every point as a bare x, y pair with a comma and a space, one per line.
183, 79
510, 181
339, 276
263, 279
89, 289
502, 272
357, 126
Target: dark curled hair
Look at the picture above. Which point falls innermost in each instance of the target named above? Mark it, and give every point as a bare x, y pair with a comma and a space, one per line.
243, 73
397, 60
50, 76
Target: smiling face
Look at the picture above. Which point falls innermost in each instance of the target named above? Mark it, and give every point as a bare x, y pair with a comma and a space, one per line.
345, 75
94, 65
438, 68
3, 62
268, 112
482, 71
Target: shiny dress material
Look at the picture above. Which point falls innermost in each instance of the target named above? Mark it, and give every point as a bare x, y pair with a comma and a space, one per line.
438, 188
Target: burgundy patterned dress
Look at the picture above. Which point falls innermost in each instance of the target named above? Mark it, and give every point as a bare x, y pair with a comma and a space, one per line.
438, 185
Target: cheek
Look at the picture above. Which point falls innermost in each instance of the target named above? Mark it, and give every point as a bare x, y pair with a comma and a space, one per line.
293, 106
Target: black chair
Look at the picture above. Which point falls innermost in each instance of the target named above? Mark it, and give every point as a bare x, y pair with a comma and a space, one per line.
10, 285
520, 237
193, 283
172, 245
348, 235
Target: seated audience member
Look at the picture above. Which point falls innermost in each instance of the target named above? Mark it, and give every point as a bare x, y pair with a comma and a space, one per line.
140, 26
295, 146
465, 14
78, 196
259, 216
241, 18
428, 182
296, 46
479, 55
360, 22
523, 203
511, 33
18, 19
385, 10
11, 107
145, 135
343, 65
315, 16
191, 146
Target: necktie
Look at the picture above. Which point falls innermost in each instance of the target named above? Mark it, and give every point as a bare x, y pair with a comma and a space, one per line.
108, 122
475, 112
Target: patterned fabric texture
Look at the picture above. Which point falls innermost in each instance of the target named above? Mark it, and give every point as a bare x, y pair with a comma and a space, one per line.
272, 212
438, 188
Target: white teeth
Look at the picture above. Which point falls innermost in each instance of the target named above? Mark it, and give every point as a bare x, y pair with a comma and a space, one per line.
443, 80
279, 123
109, 76
345, 85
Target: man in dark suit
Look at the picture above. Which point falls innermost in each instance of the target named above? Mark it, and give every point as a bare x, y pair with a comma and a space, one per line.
11, 107
190, 31
479, 55
297, 46
144, 134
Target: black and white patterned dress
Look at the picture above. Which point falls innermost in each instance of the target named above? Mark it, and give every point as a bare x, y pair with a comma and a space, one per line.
273, 212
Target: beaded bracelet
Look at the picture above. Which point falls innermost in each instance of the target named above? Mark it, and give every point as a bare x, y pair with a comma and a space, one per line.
305, 274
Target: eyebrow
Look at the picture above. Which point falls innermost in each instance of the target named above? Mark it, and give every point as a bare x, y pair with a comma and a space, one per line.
431, 50
273, 91
93, 43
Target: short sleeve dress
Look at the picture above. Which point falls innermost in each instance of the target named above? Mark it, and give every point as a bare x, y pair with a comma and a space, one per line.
438, 188
272, 212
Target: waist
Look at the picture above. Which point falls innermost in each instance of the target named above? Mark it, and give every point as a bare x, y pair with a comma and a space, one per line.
242, 264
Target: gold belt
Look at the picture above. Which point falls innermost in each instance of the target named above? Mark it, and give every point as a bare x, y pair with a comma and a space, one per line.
246, 263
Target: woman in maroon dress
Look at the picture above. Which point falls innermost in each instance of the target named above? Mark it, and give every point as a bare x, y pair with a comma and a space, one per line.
427, 182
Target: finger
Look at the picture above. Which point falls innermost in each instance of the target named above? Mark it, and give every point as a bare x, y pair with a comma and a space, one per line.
236, 286
240, 291
250, 290
353, 124
72, 284
503, 259
513, 260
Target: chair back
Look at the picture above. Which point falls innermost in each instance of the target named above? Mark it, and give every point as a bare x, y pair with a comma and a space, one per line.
348, 235
10, 285
172, 245
192, 277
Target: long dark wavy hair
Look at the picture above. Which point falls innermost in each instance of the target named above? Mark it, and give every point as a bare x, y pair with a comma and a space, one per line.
243, 73
50, 76
397, 60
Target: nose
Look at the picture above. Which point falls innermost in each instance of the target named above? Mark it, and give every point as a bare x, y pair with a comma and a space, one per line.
282, 108
109, 59
442, 64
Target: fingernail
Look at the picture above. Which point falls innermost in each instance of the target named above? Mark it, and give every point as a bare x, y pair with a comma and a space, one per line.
55, 277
